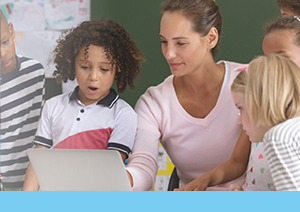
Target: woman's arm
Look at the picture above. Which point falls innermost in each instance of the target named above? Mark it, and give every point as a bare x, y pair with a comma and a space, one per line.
142, 163
227, 171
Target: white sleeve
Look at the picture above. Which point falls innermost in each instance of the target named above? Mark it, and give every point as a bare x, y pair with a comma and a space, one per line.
43, 135
142, 164
123, 134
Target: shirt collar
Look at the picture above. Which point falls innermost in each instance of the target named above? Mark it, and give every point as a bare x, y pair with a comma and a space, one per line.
108, 101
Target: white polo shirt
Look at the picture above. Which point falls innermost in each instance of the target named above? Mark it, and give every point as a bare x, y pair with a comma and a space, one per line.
66, 123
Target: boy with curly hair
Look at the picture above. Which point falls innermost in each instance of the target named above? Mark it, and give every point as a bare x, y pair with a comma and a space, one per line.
22, 97
96, 53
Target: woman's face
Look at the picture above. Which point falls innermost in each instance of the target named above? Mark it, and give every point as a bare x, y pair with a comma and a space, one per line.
184, 49
282, 42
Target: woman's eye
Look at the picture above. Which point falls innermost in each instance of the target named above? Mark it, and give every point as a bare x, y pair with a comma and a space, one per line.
180, 44
164, 41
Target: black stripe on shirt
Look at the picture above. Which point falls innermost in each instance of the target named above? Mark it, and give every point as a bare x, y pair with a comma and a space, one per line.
22, 86
16, 149
21, 100
119, 147
6, 78
43, 141
13, 185
20, 125
14, 173
21, 113
19, 136
11, 162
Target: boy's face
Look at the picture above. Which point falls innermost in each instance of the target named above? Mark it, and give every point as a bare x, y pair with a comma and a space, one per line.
95, 75
8, 52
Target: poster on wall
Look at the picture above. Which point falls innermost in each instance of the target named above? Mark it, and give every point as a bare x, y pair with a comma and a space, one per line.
25, 15
44, 44
39, 23
64, 14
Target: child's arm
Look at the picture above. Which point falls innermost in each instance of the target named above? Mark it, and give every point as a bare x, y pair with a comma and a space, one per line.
227, 171
31, 183
235, 187
123, 156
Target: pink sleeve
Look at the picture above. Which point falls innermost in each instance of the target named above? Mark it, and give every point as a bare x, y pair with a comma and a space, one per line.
142, 164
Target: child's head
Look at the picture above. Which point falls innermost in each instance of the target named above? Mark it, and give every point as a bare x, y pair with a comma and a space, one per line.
283, 37
238, 92
101, 45
273, 90
267, 95
289, 7
8, 52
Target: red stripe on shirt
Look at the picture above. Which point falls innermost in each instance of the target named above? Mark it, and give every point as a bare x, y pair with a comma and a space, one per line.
92, 139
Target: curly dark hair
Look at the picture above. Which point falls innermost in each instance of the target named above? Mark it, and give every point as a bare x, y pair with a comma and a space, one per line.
119, 48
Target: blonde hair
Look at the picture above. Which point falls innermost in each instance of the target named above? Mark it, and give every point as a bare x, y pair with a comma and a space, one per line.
239, 83
272, 90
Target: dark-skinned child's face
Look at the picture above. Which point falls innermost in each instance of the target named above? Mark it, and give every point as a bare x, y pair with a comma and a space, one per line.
8, 52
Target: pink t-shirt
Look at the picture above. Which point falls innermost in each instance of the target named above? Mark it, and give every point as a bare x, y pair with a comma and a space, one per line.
194, 145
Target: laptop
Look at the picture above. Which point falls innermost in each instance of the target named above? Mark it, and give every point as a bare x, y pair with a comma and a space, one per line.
79, 170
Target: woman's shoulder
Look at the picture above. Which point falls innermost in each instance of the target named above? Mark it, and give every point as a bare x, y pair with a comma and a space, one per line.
157, 97
161, 89
230, 65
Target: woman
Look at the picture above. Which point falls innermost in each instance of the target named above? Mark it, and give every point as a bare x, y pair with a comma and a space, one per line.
192, 112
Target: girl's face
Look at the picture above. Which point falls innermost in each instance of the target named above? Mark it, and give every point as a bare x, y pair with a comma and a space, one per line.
95, 75
282, 42
256, 133
184, 49
286, 12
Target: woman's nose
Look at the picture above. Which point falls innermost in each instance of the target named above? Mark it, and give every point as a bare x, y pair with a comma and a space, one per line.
170, 52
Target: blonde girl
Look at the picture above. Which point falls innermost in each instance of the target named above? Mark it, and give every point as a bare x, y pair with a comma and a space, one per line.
273, 106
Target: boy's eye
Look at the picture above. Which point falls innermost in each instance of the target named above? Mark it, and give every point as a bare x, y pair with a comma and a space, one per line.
5, 42
84, 67
104, 69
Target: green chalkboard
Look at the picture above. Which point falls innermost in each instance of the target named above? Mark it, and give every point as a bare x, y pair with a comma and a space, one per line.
241, 38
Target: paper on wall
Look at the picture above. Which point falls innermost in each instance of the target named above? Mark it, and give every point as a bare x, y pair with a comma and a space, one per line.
38, 45
64, 14
24, 14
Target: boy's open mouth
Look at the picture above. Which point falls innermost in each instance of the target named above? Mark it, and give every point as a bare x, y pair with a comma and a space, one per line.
93, 88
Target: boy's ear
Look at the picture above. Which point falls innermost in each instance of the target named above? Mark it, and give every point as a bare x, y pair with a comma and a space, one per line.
11, 30
212, 37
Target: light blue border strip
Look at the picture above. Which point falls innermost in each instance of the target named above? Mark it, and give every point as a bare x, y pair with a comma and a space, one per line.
150, 201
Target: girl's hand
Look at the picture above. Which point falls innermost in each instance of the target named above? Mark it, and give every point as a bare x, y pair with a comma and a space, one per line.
199, 184
235, 187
